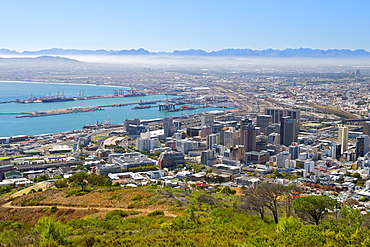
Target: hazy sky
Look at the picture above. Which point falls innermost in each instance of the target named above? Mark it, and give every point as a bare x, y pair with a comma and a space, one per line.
167, 25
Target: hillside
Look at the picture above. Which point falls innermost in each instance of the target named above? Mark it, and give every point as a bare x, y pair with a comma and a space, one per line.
157, 216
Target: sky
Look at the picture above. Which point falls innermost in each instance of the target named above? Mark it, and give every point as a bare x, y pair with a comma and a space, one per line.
168, 25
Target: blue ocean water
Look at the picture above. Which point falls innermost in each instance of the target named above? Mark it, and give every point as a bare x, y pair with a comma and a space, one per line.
10, 125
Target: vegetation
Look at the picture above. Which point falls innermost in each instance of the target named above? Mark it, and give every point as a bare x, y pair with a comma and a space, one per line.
204, 219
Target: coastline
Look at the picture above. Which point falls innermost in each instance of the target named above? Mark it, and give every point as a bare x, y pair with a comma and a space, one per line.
66, 83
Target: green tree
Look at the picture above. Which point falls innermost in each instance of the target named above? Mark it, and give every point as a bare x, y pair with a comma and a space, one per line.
80, 179
61, 183
313, 207
52, 232
40, 178
99, 180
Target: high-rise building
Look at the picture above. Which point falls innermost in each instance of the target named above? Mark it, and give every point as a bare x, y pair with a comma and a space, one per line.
293, 113
276, 114
263, 121
248, 138
229, 137
177, 124
273, 138
207, 119
213, 139
335, 150
366, 128
288, 131
294, 150
343, 137
168, 127
170, 159
362, 145
273, 128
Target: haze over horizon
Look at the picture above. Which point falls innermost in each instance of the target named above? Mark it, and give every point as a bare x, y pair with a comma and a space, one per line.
170, 25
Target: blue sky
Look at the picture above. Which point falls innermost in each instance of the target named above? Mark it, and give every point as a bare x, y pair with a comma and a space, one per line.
167, 25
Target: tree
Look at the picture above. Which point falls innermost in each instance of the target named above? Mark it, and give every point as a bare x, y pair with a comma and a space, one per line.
252, 201
61, 183
313, 207
206, 199
52, 232
270, 194
226, 190
80, 179
99, 180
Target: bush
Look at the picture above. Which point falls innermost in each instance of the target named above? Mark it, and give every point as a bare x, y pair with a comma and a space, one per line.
119, 214
137, 197
156, 212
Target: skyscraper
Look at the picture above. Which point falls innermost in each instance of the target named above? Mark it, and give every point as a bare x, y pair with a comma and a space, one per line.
335, 150
366, 128
293, 113
362, 145
263, 121
294, 150
288, 131
248, 137
207, 119
276, 114
168, 127
343, 137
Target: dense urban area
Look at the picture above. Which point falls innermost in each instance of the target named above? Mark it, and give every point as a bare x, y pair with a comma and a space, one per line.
289, 154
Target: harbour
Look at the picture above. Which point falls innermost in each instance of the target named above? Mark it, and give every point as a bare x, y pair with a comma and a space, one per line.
117, 109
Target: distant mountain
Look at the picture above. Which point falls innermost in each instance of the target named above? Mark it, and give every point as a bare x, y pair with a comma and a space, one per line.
42, 61
301, 52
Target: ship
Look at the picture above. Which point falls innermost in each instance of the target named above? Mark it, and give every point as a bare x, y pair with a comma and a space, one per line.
147, 102
56, 99
141, 107
134, 94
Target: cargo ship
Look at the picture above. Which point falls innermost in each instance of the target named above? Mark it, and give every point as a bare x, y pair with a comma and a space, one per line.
141, 107
56, 99
134, 94
147, 102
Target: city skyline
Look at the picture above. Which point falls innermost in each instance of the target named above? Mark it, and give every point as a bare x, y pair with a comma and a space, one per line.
167, 25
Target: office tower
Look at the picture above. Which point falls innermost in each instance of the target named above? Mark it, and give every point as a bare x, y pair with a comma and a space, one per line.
263, 121
273, 128
293, 113
213, 139
230, 138
366, 128
343, 137
280, 159
207, 157
207, 119
335, 150
294, 150
177, 124
168, 127
309, 166
276, 114
248, 137
362, 145
129, 122
288, 131
274, 138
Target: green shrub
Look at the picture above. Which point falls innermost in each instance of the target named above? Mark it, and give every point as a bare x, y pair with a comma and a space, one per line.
156, 212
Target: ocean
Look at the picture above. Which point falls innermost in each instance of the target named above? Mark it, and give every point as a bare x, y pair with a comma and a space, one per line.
11, 126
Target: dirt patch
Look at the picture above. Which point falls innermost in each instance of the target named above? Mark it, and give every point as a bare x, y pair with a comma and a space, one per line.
32, 215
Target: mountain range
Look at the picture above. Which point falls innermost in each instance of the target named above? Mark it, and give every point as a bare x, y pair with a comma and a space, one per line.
301, 52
